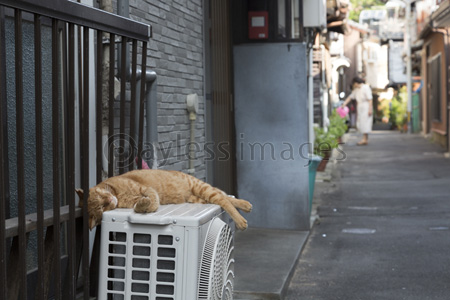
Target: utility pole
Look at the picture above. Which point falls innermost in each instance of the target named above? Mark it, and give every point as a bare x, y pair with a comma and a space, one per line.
407, 38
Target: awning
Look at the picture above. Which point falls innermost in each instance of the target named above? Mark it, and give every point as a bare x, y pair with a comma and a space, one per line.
441, 17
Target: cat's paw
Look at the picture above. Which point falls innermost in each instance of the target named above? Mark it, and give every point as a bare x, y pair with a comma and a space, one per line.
146, 205
243, 205
246, 206
241, 224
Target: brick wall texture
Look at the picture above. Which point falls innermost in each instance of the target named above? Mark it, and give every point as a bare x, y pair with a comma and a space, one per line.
176, 55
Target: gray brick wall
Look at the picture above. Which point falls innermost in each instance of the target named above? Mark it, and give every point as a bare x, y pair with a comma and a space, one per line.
176, 55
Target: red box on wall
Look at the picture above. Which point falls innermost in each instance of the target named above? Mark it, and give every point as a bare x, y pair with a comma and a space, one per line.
258, 25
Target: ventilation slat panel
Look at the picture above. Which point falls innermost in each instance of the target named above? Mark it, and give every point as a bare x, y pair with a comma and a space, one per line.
156, 262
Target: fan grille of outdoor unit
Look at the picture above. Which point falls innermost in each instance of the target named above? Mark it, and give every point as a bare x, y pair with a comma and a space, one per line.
217, 264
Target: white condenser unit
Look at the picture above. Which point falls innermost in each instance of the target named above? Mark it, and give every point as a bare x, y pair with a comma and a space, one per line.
315, 13
180, 252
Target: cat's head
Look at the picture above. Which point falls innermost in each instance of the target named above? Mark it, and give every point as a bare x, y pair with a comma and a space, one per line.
99, 201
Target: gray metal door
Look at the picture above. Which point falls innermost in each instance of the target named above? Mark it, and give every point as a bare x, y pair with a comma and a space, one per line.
272, 133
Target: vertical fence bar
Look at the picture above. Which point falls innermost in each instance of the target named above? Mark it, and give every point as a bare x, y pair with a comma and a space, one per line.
80, 86
111, 107
132, 137
82, 227
141, 101
49, 259
56, 166
85, 160
4, 186
39, 155
72, 272
20, 153
123, 54
95, 261
14, 276
99, 106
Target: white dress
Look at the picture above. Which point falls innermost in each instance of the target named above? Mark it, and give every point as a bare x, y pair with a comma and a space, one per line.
363, 95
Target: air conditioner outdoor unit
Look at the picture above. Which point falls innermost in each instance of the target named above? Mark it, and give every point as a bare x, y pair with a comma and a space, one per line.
315, 13
180, 252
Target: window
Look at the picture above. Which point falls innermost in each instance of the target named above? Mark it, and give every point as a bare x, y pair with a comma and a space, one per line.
295, 21
284, 21
434, 87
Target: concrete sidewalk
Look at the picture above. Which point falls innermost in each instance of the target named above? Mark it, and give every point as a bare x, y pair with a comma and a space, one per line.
266, 258
265, 261
384, 230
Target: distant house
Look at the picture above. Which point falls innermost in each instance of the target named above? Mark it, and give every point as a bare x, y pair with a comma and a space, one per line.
434, 43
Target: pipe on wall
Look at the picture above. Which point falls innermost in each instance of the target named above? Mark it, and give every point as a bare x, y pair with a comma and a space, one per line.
192, 108
192, 118
310, 100
151, 115
151, 102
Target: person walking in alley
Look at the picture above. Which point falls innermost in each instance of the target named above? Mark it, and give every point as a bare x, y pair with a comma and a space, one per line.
364, 109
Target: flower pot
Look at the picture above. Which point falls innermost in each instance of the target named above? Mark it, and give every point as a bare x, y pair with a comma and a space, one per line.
323, 164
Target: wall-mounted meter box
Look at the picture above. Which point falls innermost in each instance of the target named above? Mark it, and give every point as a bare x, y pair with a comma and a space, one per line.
258, 25
315, 13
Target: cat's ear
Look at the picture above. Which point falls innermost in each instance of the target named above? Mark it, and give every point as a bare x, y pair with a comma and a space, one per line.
92, 222
80, 193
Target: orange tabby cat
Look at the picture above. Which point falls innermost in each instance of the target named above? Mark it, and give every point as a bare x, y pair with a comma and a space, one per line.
145, 190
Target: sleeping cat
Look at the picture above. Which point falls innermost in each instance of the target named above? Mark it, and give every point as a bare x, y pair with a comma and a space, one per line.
145, 190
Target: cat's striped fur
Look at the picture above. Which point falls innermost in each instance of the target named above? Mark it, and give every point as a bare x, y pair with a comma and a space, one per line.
145, 190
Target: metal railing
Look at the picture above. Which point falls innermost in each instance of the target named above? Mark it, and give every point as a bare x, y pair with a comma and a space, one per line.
52, 108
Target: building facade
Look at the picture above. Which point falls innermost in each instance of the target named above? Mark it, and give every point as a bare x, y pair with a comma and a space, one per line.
433, 21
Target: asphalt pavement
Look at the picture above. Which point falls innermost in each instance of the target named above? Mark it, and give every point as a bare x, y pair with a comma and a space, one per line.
384, 224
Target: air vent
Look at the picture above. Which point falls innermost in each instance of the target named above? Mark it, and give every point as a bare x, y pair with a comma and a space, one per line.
139, 265
116, 265
165, 273
159, 256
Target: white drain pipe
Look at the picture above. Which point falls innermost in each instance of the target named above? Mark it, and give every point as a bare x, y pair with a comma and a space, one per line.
310, 101
192, 108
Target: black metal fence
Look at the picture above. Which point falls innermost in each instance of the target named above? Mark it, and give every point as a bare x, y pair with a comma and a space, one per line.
54, 114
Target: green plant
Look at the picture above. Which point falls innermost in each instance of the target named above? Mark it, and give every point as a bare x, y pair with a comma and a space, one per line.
328, 140
384, 109
337, 125
324, 142
399, 109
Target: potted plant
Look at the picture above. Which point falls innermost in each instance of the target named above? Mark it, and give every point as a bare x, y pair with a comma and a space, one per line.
324, 143
337, 126
327, 140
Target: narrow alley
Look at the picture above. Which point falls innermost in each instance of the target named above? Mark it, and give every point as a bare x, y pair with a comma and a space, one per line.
241, 102
384, 228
